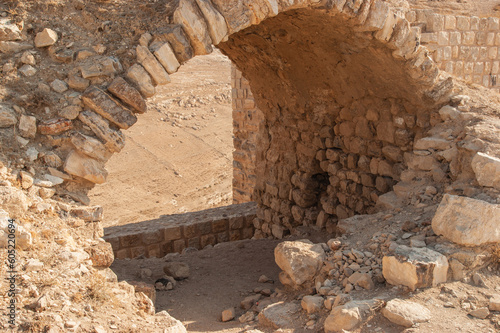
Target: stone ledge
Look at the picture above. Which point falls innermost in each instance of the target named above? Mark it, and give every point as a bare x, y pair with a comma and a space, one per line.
173, 233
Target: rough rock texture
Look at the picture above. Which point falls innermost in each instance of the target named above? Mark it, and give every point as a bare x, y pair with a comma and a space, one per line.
301, 260
415, 267
278, 315
406, 313
178, 270
487, 170
45, 38
467, 221
13, 200
348, 316
80, 165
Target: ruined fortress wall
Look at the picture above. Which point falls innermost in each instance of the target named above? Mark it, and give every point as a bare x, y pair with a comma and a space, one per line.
467, 47
246, 121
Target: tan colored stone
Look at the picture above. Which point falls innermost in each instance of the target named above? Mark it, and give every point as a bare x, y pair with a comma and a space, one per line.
100, 66
189, 16
215, 21
9, 30
70, 112
45, 38
312, 304
101, 254
77, 82
90, 146
114, 140
7, 116
415, 267
78, 164
174, 34
348, 316
27, 126
432, 143
406, 313
301, 260
88, 213
166, 56
109, 108
138, 75
467, 221
13, 201
278, 315
152, 66
494, 304
128, 94
55, 126
487, 170
228, 314
14, 47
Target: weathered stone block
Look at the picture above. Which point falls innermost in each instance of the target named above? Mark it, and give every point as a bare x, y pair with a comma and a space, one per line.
88, 213
101, 254
406, 313
114, 140
189, 16
487, 170
173, 233
27, 126
467, 221
55, 126
78, 164
128, 94
7, 116
138, 75
175, 35
90, 146
215, 21
152, 66
166, 56
415, 267
45, 38
109, 108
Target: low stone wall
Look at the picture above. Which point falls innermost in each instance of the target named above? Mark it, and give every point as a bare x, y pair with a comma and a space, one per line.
173, 233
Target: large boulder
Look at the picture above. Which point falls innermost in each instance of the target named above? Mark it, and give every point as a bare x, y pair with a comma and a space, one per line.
415, 267
467, 221
301, 260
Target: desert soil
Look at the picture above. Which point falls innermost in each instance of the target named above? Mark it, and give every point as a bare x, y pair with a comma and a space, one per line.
178, 157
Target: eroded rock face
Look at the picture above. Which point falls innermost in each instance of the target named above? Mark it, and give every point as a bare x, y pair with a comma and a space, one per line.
467, 221
301, 260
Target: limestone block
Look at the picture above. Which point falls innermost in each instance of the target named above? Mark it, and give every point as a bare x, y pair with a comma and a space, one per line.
55, 126
101, 254
242, 13
448, 112
415, 267
432, 143
421, 162
495, 303
312, 304
27, 70
278, 315
101, 66
406, 313
138, 75
9, 30
174, 34
189, 16
348, 316
7, 116
152, 66
14, 47
128, 94
467, 221
114, 140
215, 21
379, 12
487, 170
88, 213
27, 126
45, 38
28, 58
301, 260
166, 56
109, 108
78, 164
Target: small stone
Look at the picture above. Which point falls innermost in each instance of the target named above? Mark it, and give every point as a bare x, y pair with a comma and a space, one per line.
26, 179
363, 280
495, 303
487, 170
59, 86
128, 94
13, 201
312, 304
77, 82
138, 75
334, 244
45, 38
408, 226
178, 270
249, 301
55, 126
417, 243
33, 265
348, 316
264, 279
13, 47
481, 313
7, 116
406, 313
228, 314
27, 70
70, 112
81, 165
448, 113
28, 58
478, 280
247, 317
27, 126
88, 213
278, 315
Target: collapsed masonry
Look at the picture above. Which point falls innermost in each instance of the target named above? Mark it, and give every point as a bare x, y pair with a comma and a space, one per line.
355, 113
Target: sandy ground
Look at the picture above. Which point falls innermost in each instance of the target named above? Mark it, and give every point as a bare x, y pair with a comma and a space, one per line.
178, 157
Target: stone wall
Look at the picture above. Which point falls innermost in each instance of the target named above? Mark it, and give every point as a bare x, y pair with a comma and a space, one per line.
466, 47
246, 121
174, 233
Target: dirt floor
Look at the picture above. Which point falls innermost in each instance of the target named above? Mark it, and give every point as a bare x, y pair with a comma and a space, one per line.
178, 156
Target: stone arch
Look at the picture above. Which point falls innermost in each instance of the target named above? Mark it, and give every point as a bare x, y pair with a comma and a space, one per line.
345, 87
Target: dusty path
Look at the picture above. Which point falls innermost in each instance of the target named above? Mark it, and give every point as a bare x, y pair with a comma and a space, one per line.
178, 157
